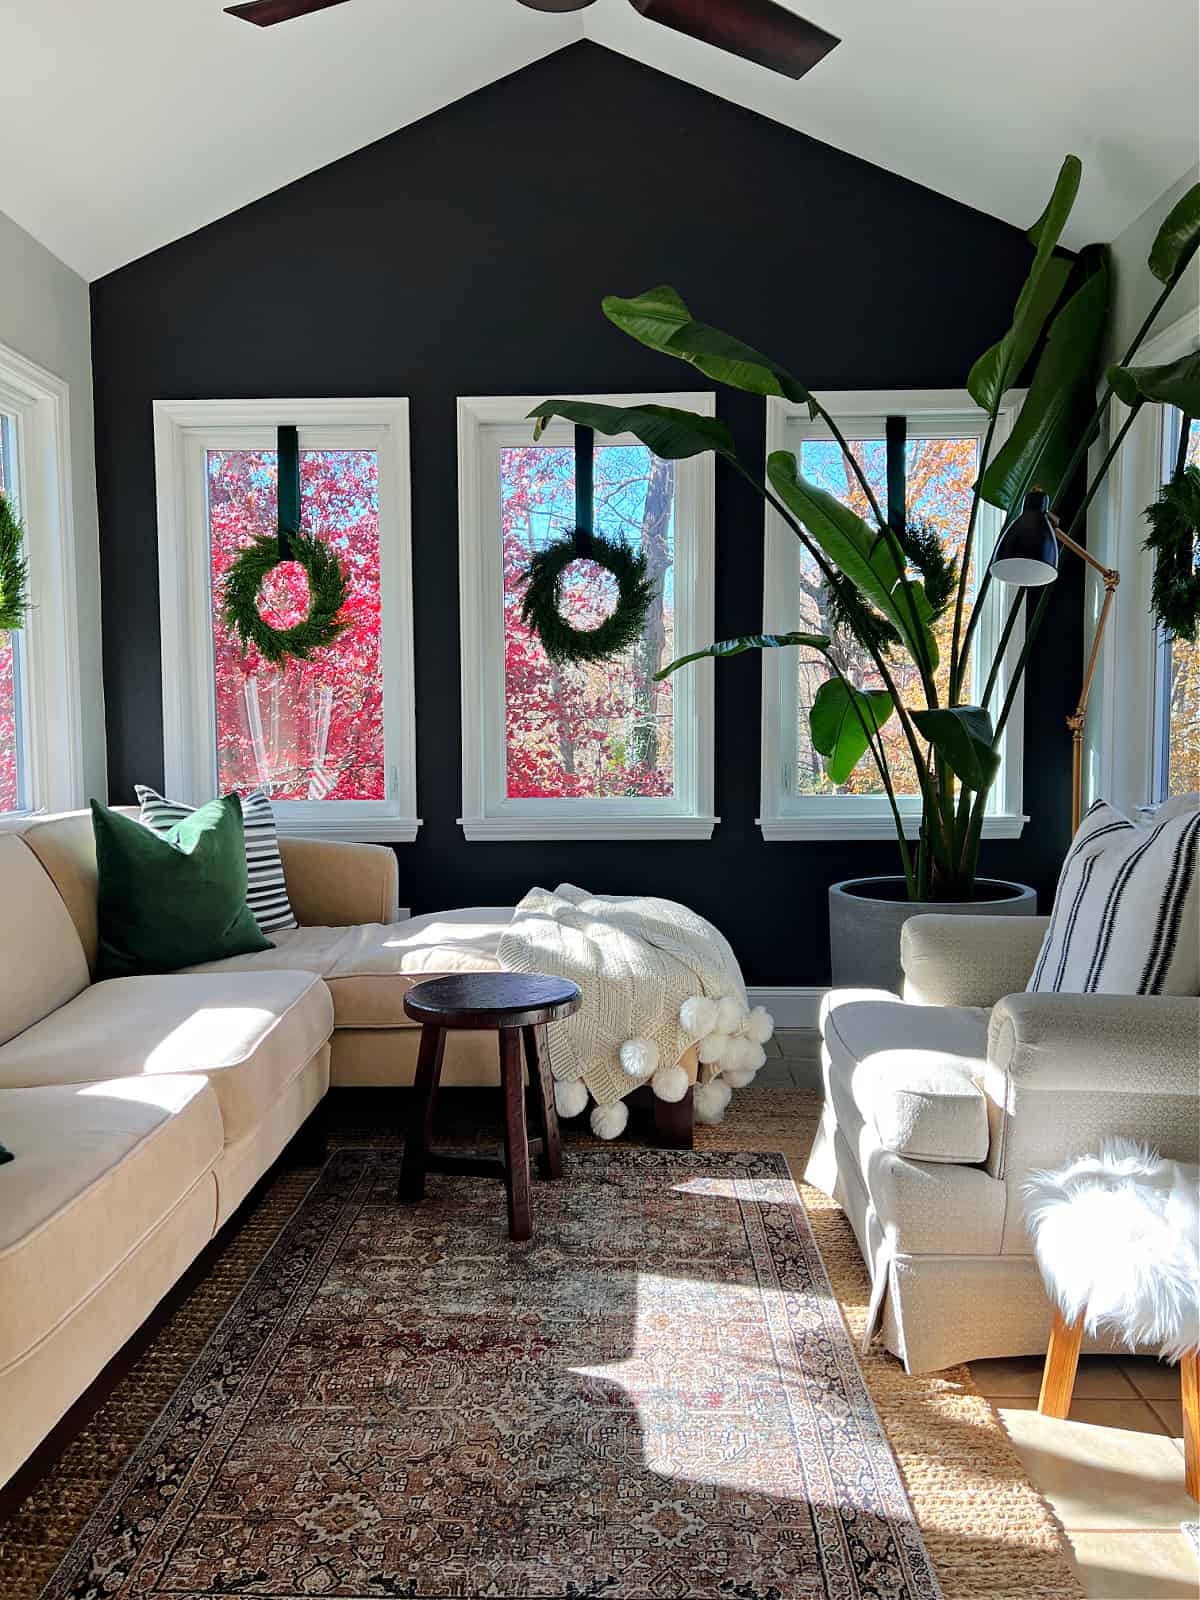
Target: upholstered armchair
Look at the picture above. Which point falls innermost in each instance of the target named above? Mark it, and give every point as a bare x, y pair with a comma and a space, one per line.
940, 1103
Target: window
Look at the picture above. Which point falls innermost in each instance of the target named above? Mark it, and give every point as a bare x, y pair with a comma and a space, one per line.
41, 757
1142, 736
330, 740
596, 750
1176, 768
942, 436
14, 762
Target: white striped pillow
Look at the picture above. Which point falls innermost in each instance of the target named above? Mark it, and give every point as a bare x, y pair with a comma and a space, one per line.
1126, 917
266, 892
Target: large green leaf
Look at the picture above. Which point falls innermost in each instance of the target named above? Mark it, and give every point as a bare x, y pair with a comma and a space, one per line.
1000, 367
660, 318
1176, 383
962, 736
1178, 239
839, 720
670, 433
1060, 402
854, 548
747, 641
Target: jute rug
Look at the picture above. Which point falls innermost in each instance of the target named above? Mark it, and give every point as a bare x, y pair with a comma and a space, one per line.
755, 1472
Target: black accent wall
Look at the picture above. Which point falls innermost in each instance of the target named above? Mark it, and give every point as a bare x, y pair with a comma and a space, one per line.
467, 254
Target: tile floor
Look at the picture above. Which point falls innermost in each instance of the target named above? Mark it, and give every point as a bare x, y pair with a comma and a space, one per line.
1113, 1472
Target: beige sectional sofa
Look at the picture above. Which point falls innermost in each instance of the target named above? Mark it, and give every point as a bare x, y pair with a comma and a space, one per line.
141, 1111
938, 1106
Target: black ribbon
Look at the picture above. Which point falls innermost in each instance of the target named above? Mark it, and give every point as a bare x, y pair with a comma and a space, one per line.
585, 490
896, 429
287, 445
1185, 428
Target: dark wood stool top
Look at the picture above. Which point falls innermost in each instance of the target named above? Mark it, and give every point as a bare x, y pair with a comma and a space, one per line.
492, 1000
517, 1006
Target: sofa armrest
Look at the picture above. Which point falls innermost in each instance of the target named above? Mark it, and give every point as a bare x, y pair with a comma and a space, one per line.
334, 884
1064, 1070
967, 960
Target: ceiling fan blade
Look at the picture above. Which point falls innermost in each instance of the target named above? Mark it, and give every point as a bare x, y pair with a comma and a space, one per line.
557, 5
264, 12
759, 30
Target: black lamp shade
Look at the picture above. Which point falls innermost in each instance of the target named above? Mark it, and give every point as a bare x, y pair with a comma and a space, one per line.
1027, 555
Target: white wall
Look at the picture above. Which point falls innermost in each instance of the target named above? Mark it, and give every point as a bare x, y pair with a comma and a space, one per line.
45, 316
1135, 287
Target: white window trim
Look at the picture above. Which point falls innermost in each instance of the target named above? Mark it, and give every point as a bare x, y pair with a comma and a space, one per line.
182, 428
786, 816
1120, 735
487, 813
52, 770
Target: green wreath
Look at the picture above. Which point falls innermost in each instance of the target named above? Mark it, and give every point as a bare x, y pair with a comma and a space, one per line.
14, 570
327, 591
1174, 520
540, 608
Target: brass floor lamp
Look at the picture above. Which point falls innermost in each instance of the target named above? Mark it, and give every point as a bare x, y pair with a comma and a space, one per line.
1027, 558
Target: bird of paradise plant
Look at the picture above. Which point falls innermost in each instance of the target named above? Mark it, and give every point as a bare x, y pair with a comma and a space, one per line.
887, 583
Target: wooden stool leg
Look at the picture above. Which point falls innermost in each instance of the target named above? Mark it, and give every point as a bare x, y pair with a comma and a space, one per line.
420, 1125
1189, 1379
537, 1060
1062, 1358
516, 1139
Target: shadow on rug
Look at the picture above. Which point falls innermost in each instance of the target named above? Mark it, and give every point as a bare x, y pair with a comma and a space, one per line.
655, 1397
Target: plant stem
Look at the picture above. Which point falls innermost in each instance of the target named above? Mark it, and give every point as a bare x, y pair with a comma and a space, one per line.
1010, 622
964, 571
875, 744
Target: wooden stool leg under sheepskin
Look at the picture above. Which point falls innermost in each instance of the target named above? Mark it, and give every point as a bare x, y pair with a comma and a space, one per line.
1062, 1360
1189, 1377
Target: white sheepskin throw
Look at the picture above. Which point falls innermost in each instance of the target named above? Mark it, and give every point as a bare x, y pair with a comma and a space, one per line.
656, 978
1117, 1238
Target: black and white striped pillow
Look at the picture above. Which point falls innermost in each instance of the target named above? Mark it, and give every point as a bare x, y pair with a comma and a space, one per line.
266, 893
1126, 917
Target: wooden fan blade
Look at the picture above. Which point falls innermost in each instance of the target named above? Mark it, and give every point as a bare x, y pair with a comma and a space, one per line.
759, 30
265, 12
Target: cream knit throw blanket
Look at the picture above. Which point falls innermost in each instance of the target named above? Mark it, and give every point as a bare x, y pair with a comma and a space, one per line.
655, 978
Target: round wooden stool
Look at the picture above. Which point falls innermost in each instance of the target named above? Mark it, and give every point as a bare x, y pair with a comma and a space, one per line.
518, 1006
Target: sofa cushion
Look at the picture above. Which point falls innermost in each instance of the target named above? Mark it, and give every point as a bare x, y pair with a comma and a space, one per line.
912, 1072
97, 1166
369, 969
66, 847
42, 964
248, 1033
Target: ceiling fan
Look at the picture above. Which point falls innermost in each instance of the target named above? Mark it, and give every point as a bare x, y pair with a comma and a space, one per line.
759, 30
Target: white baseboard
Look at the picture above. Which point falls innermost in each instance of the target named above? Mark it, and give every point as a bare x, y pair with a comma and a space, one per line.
791, 1008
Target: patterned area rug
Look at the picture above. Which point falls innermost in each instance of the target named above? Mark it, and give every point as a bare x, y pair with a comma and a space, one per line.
656, 1397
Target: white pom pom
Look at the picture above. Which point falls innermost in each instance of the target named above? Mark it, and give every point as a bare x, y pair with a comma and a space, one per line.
744, 1055
639, 1057
710, 1101
730, 1015
712, 1047
738, 1077
570, 1098
760, 1025
698, 1016
670, 1083
608, 1122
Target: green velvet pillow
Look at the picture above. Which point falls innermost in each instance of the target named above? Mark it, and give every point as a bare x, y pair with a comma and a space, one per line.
170, 900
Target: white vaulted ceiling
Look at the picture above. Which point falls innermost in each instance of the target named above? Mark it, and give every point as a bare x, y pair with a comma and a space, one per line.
127, 123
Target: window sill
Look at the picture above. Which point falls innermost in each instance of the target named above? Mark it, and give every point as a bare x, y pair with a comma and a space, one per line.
830, 826
477, 830
363, 830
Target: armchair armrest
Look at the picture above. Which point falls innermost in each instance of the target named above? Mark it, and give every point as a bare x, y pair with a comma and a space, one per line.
334, 884
1064, 1070
966, 960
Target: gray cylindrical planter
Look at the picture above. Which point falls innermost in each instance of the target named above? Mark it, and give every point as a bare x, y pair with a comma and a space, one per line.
866, 915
